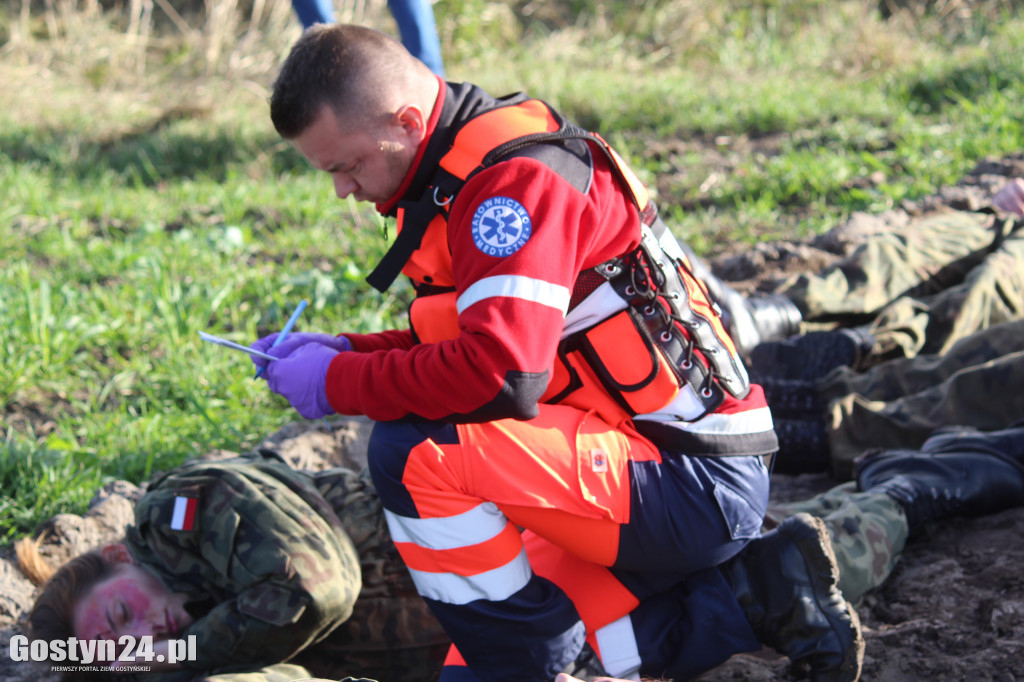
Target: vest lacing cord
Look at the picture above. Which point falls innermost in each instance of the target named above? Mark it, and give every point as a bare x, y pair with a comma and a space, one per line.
643, 270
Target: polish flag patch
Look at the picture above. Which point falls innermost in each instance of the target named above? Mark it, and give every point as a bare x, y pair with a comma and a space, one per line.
184, 516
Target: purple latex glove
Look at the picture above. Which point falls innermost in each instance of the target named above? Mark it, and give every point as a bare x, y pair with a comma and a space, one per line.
293, 342
301, 377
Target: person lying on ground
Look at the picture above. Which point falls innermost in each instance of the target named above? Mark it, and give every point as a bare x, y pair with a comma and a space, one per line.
896, 495
271, 565
825, 424
908, 290
957, 276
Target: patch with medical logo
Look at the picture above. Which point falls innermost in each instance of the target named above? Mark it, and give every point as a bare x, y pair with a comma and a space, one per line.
500, 226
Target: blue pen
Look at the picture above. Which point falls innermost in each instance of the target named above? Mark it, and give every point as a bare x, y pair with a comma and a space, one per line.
286, 330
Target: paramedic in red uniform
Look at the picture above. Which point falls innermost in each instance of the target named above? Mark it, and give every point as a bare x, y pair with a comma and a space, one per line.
563, 372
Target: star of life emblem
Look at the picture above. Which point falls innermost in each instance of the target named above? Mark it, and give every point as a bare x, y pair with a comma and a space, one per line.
501, 226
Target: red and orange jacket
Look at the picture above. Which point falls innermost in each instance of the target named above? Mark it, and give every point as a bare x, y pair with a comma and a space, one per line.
512, 247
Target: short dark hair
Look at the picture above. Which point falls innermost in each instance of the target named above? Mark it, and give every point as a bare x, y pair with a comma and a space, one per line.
341, 65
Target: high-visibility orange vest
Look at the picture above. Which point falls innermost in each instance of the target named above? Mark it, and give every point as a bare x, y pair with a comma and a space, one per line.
420, 250
636, 372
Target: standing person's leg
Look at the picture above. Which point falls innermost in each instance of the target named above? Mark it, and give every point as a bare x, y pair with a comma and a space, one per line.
454, 497
418, 30
314, 11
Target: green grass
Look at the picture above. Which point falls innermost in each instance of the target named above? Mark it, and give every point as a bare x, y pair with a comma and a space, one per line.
140, 207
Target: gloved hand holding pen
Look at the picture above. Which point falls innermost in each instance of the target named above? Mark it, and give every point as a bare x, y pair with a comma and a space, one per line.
300, 375
281, 349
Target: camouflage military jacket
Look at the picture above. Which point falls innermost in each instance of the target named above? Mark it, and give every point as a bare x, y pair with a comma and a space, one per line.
279, 556
266, 563
392, 636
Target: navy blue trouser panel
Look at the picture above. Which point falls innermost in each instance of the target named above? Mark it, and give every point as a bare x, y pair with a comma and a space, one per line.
692, 628
532, 635
688, 514
388, 450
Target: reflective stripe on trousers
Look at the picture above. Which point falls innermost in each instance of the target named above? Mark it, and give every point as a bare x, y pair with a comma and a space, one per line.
454, 497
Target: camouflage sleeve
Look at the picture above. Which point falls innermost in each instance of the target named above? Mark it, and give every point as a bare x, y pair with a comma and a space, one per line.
263, 545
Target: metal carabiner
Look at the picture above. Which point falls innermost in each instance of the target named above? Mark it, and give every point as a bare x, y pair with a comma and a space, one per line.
441, 203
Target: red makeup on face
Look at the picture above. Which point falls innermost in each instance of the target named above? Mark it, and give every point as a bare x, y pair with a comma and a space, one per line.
130, 602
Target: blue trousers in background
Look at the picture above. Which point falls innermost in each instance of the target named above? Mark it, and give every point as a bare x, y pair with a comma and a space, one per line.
415, 19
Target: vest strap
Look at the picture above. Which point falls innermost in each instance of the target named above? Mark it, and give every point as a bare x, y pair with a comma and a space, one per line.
519, 124
409, 238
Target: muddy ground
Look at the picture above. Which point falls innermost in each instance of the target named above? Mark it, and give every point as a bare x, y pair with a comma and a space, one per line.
952, 610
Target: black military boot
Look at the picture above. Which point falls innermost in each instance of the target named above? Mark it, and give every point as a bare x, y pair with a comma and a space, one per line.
1008, 442
792, 398
932, 486
750, 320
785, 581
810, 356
803, 446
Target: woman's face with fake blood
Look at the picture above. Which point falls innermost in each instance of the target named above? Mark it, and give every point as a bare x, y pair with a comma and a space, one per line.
131, 601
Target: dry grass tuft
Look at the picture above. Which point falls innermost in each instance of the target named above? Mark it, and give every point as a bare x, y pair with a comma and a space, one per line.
109, 42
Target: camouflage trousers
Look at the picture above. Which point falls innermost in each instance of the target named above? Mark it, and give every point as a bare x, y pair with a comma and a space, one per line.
900, 403
923, 287
868, 532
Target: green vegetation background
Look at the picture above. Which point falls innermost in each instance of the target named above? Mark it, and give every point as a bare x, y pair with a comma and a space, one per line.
144, 195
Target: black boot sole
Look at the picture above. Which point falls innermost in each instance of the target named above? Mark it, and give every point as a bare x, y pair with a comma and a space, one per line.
815, 547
